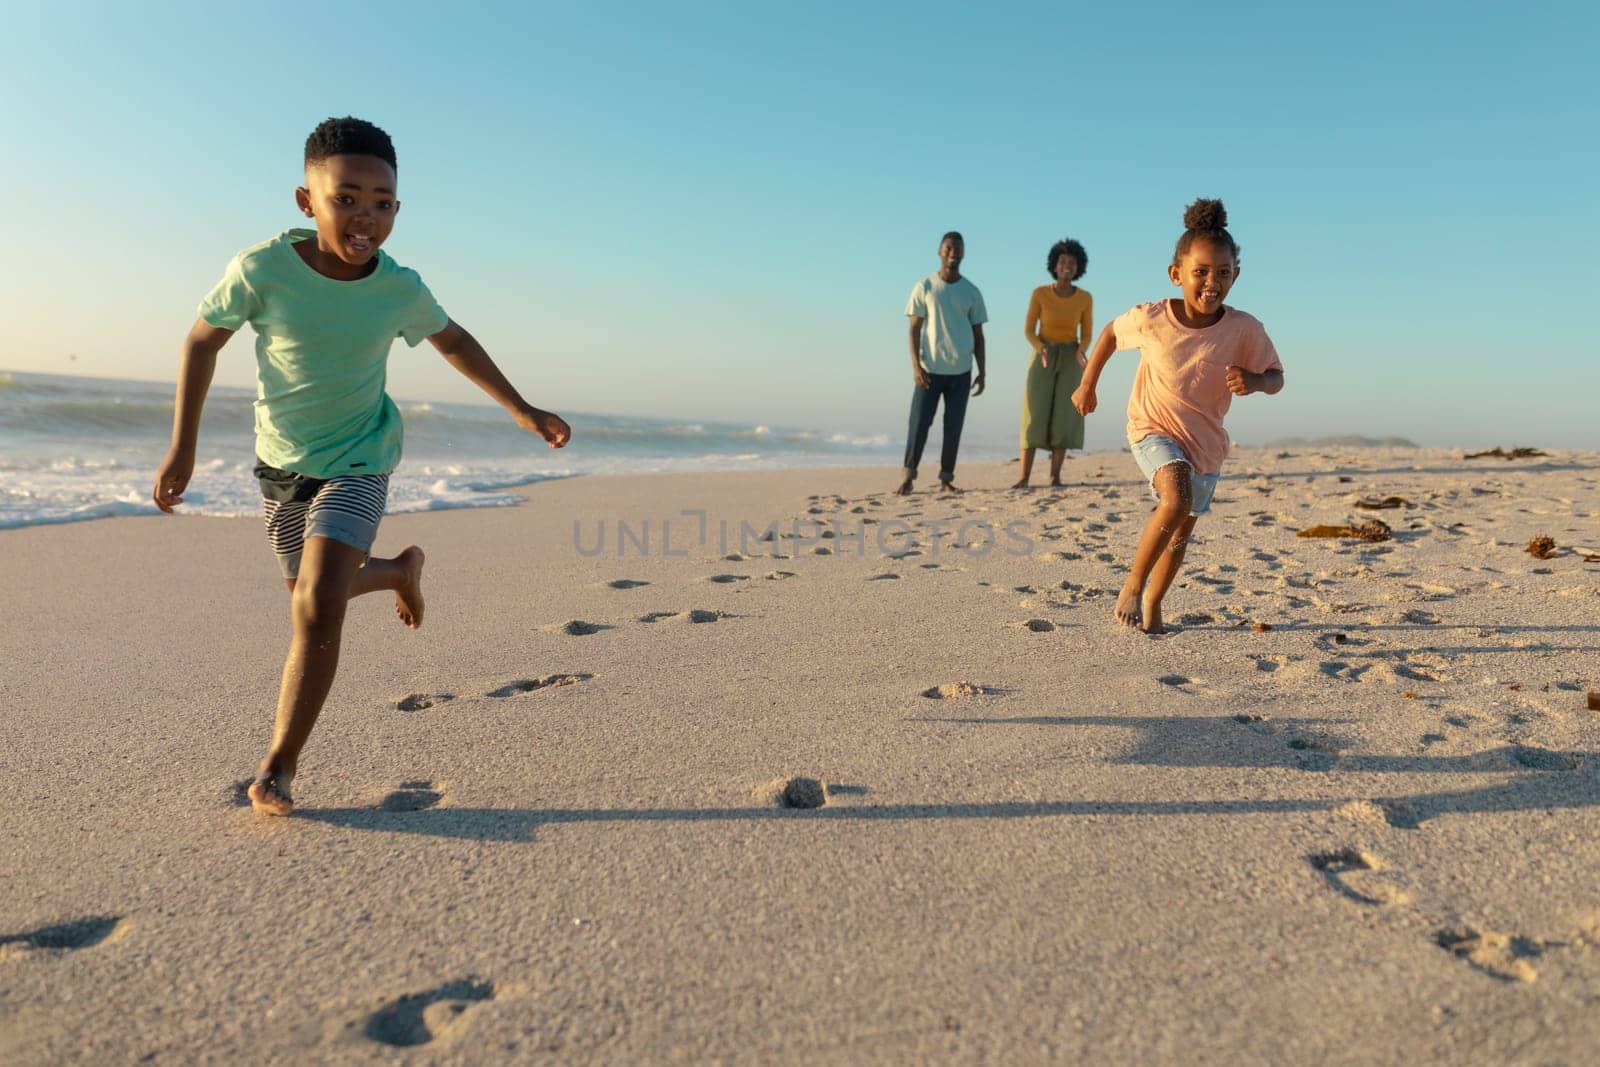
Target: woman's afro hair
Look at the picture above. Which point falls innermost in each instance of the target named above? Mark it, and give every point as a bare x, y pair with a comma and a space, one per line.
1067, 247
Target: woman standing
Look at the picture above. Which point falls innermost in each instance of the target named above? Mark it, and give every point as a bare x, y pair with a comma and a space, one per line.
1060, 324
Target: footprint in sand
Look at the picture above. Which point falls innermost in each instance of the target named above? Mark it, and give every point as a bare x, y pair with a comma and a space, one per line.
1344, 671
422, 701
578, 628
625, 583
529, 685
1380, 813
1358, 875
778, 576
1314, 753
728, 579
1039, 626
418, 1018
61, 938
1502, 955
413, 796
887, 576
959, 690
1544, 759
797, 792
1261, 724
692, 615
1177, 681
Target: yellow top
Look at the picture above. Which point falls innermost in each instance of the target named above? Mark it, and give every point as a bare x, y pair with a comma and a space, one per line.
1058, 320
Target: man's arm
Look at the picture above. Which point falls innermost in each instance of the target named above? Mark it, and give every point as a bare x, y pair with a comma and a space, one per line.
918, 375
463, 352
978, 358
195, 368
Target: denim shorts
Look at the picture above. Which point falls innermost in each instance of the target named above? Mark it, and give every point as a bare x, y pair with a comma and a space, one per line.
1156, 451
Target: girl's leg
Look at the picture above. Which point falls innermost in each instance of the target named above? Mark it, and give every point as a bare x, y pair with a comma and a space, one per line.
1027, 468
328, 570
1057, 455
1171, 513
1161, 575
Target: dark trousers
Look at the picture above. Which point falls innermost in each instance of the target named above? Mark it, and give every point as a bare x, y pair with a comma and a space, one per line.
953, 389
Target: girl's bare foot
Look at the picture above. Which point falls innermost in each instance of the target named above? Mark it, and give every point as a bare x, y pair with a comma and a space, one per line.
408, 597
1055, 483
1152, 618
1127, 609
1023, 484
269, 793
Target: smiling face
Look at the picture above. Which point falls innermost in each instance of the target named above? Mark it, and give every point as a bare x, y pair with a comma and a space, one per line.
1066, 268
951, 251
1205, 274
352, 198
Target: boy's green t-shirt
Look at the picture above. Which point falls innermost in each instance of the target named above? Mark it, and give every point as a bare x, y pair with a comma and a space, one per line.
322, 351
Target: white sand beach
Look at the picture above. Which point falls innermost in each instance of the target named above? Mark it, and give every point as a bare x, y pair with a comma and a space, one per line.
1348, 811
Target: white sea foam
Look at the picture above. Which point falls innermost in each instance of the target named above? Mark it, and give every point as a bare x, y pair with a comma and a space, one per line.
83, 448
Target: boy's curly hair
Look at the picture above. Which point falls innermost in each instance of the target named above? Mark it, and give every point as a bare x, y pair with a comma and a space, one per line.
348, 137
1067, 247
1208, 220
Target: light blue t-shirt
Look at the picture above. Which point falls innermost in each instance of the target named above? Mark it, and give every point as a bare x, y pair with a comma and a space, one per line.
322, 353
949, 311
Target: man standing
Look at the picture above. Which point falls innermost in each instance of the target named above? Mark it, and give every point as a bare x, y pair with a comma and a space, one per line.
947, 317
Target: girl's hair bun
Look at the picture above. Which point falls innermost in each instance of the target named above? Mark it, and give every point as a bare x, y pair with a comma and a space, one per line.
1206, 216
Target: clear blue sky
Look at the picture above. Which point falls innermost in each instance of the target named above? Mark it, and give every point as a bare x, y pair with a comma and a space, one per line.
717, 210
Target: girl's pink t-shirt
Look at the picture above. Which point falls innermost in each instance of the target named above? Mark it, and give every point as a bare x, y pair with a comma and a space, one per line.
1181, 388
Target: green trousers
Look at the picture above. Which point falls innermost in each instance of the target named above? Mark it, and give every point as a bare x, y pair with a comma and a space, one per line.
1048, 418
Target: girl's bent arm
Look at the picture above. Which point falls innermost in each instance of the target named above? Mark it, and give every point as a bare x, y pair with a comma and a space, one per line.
1083, 398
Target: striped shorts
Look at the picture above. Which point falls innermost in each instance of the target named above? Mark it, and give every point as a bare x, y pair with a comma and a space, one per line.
345, 509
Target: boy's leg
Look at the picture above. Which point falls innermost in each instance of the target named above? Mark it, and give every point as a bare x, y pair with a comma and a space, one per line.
923, 404
403, 574
1057, 455
321, 592
1171, 513
1161, 575
957, 391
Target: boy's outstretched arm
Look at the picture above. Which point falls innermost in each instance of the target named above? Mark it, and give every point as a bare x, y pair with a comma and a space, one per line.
1083, 397
463, 352
198, 363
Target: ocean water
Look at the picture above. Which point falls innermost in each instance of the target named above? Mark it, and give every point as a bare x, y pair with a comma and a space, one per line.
76, 448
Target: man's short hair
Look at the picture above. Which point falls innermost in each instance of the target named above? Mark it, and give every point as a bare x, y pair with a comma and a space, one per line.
953, 235
348, 137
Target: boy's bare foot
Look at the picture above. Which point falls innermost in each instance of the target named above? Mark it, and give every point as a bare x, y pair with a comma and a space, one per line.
408, 597
904, 488
1127, 609
1152, 617
1055, 483
269, 793
946, 487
